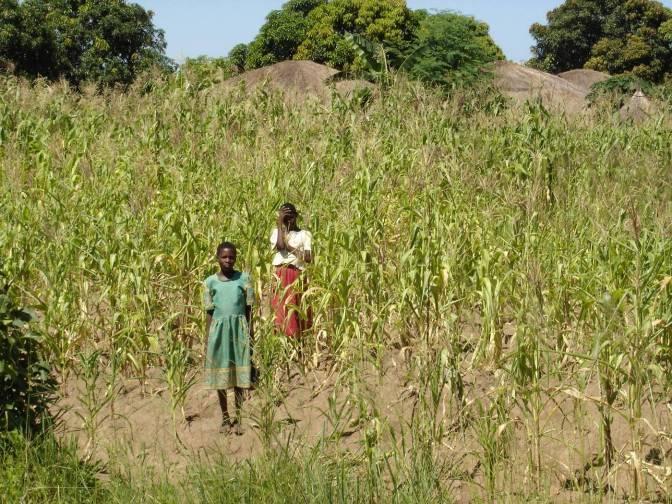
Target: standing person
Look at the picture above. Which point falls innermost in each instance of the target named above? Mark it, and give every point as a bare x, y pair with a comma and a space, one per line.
229, 297
293, 252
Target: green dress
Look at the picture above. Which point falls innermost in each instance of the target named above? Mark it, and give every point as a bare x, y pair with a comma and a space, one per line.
227, 360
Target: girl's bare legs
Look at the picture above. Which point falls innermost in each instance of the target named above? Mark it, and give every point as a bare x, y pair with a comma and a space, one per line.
221, 395
226, 418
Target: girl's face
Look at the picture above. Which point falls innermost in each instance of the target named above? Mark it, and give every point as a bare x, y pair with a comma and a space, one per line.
226, 259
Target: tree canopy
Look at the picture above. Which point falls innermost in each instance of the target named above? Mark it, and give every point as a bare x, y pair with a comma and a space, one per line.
377, 20
614, 36
281, 34
103, 41
450, 48
442, 48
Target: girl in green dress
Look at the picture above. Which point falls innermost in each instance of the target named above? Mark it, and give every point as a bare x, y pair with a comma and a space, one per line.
229, 297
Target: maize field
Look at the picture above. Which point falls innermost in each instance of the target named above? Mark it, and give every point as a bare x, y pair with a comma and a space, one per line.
515, 264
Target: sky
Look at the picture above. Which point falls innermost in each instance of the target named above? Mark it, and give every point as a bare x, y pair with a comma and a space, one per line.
213, 27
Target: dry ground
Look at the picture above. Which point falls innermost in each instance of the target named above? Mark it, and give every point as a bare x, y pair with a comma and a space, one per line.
303, 408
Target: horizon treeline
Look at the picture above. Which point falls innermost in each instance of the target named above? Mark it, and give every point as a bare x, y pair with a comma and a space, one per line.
110, 43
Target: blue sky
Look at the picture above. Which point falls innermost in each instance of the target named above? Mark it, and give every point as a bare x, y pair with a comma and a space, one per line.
212, 27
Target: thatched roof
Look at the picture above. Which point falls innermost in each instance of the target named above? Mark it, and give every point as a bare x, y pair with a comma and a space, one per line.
522, 83
298, 80
639, 108
584, 78
347, 87
302, 77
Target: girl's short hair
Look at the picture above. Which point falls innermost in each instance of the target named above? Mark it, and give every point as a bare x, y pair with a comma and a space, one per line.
225, 245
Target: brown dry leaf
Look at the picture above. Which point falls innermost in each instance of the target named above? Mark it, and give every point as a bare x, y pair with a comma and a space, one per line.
502, 428
577, 394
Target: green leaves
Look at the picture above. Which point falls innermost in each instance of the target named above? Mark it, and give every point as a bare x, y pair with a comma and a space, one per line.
26, 385
107, 43
369, 37
376, 20
450, 50
278, 39
610, 36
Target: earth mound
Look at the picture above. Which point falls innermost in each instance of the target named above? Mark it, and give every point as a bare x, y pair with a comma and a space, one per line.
583, 77
523, 83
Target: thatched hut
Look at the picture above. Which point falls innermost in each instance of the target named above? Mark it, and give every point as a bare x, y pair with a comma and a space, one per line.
584, 78
523, 83
299, 80
639, 108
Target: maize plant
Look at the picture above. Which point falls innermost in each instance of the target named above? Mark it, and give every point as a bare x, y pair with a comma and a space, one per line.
515, 266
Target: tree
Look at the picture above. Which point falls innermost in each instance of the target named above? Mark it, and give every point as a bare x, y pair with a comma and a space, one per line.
116, 42
238, 56
572, 30
104, 41
27, 44
635, 42
614, 36
450, 49
281, 34
379, 21
370, 36
9, 32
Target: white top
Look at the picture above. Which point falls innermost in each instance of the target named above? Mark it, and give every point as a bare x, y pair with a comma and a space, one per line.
301, 240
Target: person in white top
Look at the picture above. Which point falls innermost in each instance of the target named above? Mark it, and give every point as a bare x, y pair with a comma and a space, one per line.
293, 251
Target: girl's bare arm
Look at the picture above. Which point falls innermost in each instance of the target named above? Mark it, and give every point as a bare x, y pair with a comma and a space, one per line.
280, 243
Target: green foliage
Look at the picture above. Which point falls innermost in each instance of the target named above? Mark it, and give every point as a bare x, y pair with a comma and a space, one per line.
565, 43
448, 50
451, 49
664, 92
371, 56
282, 34
377, 20
107, 42
368, 37
206, 71
10, 33
617, 89
317, 30
28, 42
612, 36
42, 470
238, 56
45, 471
26, 385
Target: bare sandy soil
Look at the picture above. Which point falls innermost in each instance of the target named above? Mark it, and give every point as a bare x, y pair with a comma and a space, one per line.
136, 431
138, 425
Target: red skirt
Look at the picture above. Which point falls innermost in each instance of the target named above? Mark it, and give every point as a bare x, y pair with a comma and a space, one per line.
290, 317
